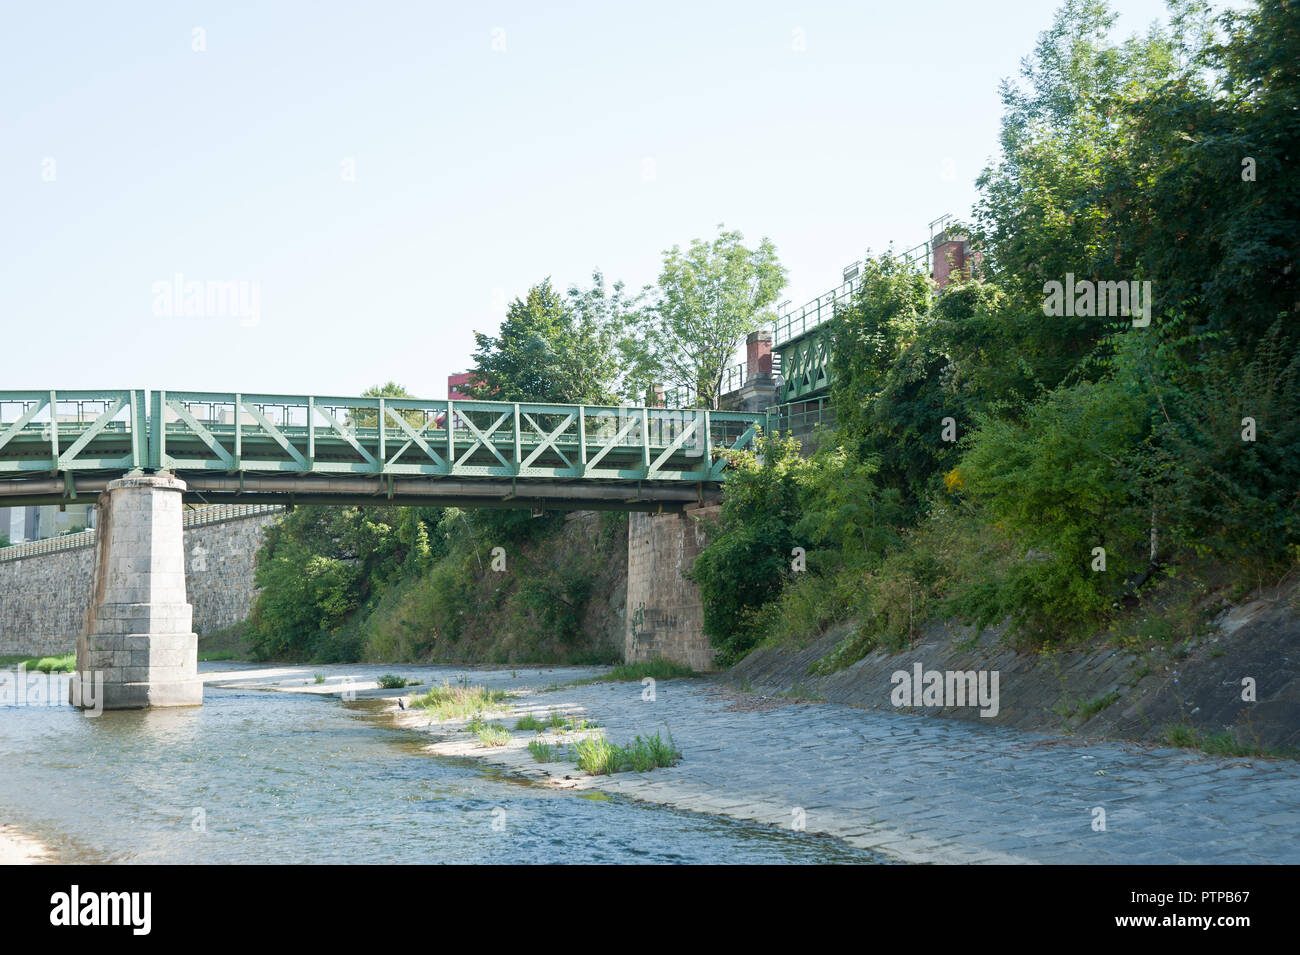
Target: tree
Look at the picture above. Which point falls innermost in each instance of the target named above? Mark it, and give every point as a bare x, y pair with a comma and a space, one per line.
707, 300
553, 348
887, 367
1049, 206
364, 418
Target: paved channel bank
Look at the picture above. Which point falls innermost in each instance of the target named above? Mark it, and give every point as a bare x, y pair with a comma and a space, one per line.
911, 787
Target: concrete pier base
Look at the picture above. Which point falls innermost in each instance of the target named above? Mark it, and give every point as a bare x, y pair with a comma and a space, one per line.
665, 617
138, 647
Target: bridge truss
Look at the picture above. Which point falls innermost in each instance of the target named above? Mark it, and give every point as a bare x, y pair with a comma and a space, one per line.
233, 447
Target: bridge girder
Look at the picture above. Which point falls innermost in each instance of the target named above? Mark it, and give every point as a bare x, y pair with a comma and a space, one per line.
58, 446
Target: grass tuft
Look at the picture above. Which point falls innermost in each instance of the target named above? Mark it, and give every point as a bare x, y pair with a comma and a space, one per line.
543, 751
60, 664
489, 734
596, 756
449, 702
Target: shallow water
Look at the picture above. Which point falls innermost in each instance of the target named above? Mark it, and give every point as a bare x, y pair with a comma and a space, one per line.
255, 776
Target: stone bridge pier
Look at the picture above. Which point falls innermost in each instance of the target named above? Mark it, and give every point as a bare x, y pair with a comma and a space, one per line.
665, 616
139, 636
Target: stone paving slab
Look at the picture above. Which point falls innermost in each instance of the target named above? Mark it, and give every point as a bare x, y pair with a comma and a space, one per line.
915, 788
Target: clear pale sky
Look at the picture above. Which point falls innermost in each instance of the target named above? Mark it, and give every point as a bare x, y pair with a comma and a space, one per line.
478, 171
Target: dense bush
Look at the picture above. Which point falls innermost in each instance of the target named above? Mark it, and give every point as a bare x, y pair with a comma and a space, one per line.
749, 559
1157, 158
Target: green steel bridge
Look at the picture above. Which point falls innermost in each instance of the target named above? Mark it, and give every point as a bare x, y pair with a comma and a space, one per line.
59, 447
801, 340
801, 337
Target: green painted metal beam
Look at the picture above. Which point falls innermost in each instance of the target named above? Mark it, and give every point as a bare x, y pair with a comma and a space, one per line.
805, 365
48, 434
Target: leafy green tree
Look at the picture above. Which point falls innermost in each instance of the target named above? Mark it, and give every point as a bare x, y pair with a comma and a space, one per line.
707, 299
844, 509
591, 360
887, 370
552, 347
318, 565
1212, 198
364, 418
1047, 208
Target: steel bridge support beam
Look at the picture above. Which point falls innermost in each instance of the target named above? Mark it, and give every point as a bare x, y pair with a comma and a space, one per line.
138, 647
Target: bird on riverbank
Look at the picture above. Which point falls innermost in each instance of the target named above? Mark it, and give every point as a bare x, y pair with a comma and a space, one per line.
401, 704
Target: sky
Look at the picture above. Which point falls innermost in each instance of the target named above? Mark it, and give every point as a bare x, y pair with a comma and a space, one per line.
378, 179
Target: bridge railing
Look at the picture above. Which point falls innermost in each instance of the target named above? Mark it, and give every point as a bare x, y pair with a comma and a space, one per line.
301, 434
68, 431
795, 322
801, 417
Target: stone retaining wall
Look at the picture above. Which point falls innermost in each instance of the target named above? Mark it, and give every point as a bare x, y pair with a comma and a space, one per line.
44, 598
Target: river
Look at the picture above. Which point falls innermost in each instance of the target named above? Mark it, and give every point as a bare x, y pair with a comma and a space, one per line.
264, 777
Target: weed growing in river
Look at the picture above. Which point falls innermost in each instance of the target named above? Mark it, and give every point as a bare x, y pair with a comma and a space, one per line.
489, 734
597, 756
543, 751
449, 702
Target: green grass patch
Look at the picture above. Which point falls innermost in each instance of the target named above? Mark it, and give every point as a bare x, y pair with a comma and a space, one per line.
1222, 744
489, 734
597, 756
529, 722
390, 681
449, 702
1090, 708
801, 692
60, 664
543, 751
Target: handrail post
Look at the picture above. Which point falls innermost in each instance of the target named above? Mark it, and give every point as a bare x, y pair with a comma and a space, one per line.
582, 440
157, 431
54, 433
451, 440
239, 433
519, 455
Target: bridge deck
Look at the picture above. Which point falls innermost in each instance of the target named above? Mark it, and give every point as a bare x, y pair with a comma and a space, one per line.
236, 446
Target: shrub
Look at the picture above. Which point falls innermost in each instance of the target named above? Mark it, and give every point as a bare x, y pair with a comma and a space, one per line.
747, 561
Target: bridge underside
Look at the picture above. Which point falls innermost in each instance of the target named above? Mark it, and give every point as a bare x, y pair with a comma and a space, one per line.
536, 495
